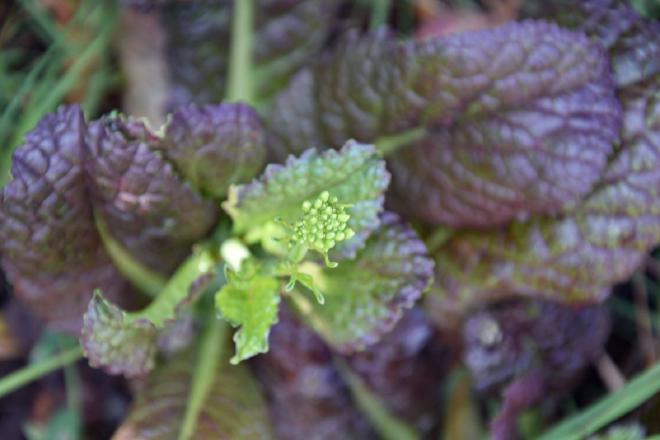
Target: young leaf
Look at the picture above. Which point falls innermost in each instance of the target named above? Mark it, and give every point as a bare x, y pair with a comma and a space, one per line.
233, 409
215, 146
147, 208
355, 175
366, 297
503, 110
125, 342
112, 343
251, 303
51, 251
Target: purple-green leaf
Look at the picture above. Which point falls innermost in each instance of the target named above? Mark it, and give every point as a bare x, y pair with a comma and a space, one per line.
519, 120
366, 297
146, 206
233, 408
578, 256
51, 251
215, 146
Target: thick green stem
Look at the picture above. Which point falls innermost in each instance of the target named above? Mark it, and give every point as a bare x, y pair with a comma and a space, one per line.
210, 352
164, 307
240, 81
34, 371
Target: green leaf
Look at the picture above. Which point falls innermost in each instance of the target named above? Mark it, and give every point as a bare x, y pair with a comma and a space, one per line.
233, 408
365, 297
125, 342
356, 175
251, 304
609, 409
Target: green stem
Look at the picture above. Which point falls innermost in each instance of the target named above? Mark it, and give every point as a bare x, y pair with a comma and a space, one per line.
164, 307
211, 350
437, 238
379, 12
145, 279
387, 145
239, 83
609, 409
34, 371
388, 426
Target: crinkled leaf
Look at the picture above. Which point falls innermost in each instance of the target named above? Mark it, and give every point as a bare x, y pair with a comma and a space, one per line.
356, 175
125, 342
632, 40
215, 146
578, 257
145, 205
366, 297
233, 410
112, 343
307, 397
505, 111
251, 304
51, 251
287, 34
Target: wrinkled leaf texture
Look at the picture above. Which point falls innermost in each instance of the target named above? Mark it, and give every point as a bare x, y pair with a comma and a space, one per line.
367, 296
51, 251
70, 174
550, 181
146, 206
355, 174
575, 257
234, 408
506, 110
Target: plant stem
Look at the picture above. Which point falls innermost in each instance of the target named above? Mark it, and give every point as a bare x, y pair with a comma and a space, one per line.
239, 83
387, 145
387, 425
210, 351
379, 11
36, 370
145, 279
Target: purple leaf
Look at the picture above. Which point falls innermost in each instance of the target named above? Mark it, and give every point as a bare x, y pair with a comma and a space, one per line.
146, 206
504, 111
51, 251
215, 146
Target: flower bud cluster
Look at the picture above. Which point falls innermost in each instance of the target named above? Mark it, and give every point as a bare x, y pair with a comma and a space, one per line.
323, 224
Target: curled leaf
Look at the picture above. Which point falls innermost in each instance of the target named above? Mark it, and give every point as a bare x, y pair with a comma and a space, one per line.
146, 207
366, 297
125, 342
215, 146
51, 251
